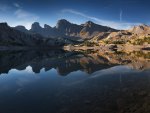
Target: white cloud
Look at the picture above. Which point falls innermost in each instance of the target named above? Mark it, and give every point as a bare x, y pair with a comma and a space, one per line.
17, 5
18, 15
25, 18
22, 14
113, 24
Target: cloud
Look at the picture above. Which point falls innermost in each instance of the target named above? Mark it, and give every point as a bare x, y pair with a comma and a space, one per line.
17, 5
17, 15
22, 14
113, 24
24, 17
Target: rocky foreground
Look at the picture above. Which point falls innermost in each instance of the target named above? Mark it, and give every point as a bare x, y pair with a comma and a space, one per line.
138, 35
135, 39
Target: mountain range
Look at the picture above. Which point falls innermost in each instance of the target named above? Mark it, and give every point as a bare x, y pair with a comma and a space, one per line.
65, 33
12, 37
66, 29
137, 35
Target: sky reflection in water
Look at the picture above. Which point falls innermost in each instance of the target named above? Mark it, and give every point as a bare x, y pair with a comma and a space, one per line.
71, 83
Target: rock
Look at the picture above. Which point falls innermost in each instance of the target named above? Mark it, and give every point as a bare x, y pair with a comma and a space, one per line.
65, 29
21, 28
141, 29
36, 26
12, 37
47, 26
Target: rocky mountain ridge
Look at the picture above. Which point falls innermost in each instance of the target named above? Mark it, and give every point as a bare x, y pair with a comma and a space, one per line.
67, 29
68, 33
140, 33
11, 37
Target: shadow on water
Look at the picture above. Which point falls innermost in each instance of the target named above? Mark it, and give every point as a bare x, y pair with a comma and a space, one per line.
92, 82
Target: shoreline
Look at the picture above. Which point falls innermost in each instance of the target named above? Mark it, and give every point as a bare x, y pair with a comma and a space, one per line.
109, 47
106, 47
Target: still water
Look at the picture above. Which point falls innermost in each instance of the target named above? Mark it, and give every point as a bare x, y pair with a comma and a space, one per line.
74, 82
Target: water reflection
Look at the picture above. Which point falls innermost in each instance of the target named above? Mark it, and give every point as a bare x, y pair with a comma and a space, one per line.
92, 82
65, 62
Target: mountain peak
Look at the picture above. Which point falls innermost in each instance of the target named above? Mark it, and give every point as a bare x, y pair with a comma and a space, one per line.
144, 25
141, 26
36, 27
3, 25
21, 28
140, 29
62, 23
89, 22
63, 20
47, 26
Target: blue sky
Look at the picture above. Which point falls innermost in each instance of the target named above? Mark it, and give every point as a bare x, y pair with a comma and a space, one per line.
120, 14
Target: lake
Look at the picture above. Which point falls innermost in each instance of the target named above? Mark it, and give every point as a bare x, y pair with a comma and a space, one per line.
59, 81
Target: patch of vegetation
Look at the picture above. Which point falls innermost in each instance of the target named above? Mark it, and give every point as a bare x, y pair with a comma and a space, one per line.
114, 42
142, 54
118, 42
120, 52
87, 51
141, 41
90, 44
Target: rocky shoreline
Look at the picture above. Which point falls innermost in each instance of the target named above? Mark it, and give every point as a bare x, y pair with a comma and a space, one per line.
109, 47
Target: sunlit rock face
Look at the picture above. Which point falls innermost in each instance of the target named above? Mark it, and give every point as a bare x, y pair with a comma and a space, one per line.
131, 35
141, 29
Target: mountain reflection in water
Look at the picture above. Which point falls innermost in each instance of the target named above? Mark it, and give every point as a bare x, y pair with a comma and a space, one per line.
74, 82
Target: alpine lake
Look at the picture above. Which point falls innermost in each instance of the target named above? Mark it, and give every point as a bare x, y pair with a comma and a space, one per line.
58, 81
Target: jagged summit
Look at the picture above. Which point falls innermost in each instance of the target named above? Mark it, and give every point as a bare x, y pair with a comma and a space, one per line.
63, 20
141, 29
4, 25
21, 28
62, 23
89, 30
36, 26
89, 23
66, 29
47, 26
